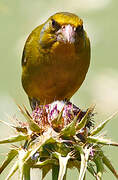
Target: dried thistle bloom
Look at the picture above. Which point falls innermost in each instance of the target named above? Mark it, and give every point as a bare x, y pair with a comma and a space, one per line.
58, 136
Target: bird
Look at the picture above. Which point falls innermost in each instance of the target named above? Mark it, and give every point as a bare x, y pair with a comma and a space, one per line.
55, 59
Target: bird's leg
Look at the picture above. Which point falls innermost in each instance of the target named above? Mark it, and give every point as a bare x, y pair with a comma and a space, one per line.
34, 103
66, 100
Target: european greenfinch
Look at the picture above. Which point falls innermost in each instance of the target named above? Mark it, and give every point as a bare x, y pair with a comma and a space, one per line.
55, 59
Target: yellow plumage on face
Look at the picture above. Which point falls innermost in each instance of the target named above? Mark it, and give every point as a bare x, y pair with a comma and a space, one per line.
67, 18
56, 58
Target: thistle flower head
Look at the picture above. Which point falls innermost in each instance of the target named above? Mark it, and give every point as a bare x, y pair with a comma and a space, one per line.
58, 136
56, 115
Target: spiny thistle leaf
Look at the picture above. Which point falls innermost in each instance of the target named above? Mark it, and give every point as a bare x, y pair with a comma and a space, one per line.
57, 121
69, 130
10, 156
75, 164
98, 140
39, 144
84, 120
19, 137
107, 162
100, 167
40, 164
90, 168
21, 158
101, 125
45, 170
12, 171
6, 123
32, 124
19, 129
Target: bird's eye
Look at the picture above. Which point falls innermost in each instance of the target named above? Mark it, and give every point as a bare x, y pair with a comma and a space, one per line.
79, 28
55, 25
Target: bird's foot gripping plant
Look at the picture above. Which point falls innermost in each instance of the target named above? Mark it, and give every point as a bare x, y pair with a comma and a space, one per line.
56, 137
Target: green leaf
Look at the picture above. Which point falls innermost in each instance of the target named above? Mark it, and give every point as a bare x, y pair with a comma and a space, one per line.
6, 123
40, 164
107, 162
21, 161
84, 120
70, 129
13, 139
12, 171
90, 168
19, 129
39, 143
98, 140
75, 163
56, 123
45, 170
102, 125
10, 156
32, 124
99, 165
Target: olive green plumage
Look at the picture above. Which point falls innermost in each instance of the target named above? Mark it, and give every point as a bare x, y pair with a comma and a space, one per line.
56, 58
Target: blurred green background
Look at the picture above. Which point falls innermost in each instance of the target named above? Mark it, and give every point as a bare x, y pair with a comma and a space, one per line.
18, 18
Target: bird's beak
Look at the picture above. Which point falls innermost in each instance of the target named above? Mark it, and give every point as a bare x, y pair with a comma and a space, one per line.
66, 34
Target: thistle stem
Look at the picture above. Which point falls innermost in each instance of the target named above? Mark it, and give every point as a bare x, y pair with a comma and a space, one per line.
55, 172
26, 172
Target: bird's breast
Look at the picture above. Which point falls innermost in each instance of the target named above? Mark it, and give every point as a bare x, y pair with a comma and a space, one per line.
60, 76
61, 69
63, 54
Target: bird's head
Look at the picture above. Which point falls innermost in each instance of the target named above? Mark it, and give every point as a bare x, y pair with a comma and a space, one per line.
62, 27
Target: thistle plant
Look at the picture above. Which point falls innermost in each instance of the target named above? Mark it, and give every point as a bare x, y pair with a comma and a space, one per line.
56, 137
